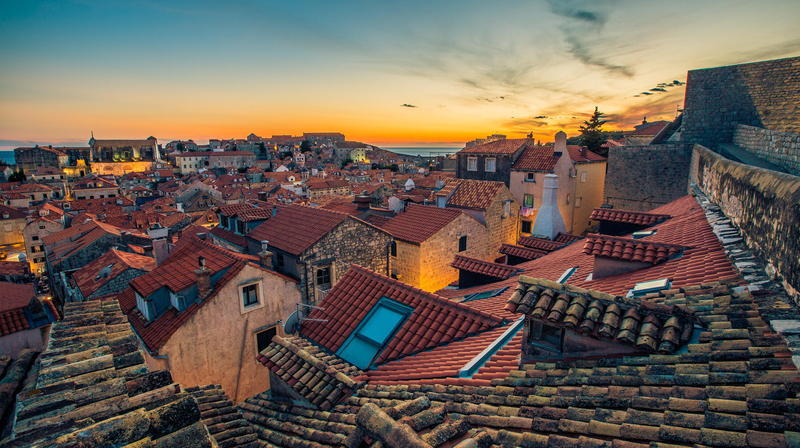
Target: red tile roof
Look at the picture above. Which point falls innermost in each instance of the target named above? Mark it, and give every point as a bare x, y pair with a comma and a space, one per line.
504, 146
15, 295
446, 360
13, 321
497, 270
10, 213
177, 272
704, 260
16, 268
629, 249
566, 238
229, 236
579, 155
420, 222
521, 252
434, 321
295, 228
474, 194
626, 216
536, 158
89, 278
540, 243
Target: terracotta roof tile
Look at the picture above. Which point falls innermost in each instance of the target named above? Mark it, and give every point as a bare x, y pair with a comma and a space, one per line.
13, 321
295, 228
521, 251
420, 222
497, 270
95, 274
503, 146
435, 320
231, 237
566, 238
536, 158
540, 243
580, 155
14, 268
15, 295
473, 194
626, 216
630, 249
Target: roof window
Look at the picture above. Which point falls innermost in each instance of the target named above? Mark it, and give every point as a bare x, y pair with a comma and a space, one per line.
374, 332
647, 287
642, 234
567, 274
484, 294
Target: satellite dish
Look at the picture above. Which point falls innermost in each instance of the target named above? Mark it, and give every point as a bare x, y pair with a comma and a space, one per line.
292, 323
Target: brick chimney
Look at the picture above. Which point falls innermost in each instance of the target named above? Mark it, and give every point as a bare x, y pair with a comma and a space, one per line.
265, 256
203, 278
161, 247
362, 201
549, 222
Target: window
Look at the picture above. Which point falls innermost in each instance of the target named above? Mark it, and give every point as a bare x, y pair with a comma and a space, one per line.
374, 332
393, 248
472, 164
578, 201
490, 165
462, 243
526, 227
250, 295
530, 177
279, 260
647, 287
506, 209
240, 227
527, 201
583, 176
41, 227
544, 336
263, 338
35, 237
567, 274
324, 277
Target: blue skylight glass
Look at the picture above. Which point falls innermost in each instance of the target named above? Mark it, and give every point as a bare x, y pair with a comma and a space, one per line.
374, 332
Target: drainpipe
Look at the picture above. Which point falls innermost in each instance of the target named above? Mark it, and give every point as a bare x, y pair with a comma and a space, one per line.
574, 198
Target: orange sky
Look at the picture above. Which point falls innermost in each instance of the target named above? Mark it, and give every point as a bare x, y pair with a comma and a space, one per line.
410, 74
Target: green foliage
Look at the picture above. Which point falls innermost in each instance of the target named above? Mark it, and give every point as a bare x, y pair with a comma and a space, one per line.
305, 146
592, 134
345, 162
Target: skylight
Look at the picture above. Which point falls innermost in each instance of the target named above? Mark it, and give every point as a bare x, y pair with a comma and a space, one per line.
642, 234
374, 332
484, 294
647, 287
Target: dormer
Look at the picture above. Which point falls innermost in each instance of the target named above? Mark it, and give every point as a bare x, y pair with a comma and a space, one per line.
622, 222
617, 255
565, 321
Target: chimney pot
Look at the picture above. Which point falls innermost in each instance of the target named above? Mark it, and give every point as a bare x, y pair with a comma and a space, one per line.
549, 222
203, 278
265, 256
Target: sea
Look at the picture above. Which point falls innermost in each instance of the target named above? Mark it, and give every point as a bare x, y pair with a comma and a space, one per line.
424, 151
7, 156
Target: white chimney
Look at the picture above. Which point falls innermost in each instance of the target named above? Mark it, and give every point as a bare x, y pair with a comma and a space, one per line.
549, 222
561, 142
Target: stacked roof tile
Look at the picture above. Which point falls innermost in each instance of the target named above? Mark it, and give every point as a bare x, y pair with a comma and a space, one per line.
92, 388
540, 243
503, 146
647, 326
629, 249
537, 158
104, 269
319, 382
434, 321
472, 194
627, 216
521, 251
223, 420
497, 270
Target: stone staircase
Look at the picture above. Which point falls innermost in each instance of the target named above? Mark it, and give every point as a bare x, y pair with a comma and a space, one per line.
223, 419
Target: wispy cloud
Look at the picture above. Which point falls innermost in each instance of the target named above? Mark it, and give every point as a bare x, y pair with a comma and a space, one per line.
407, 105
586, 18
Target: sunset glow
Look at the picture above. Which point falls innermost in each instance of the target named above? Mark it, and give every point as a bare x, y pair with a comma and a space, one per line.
400, 73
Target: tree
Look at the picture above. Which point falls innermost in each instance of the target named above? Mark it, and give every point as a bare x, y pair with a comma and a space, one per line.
592, 135
305, 146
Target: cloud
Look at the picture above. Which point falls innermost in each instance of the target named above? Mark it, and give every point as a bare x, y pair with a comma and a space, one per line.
407, 105
590, 18
658, 89
646, 93
662, 87
525, 124
539, 117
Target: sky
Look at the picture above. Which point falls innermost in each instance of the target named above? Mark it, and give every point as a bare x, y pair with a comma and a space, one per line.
387, 73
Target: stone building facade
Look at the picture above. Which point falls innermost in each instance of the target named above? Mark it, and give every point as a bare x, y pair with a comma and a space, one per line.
426, 265
490, 161
30, 159
34, 232
644, 177
779, 148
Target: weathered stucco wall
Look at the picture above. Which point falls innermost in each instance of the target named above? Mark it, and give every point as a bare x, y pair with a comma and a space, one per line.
644, 177
780, 148
764, 204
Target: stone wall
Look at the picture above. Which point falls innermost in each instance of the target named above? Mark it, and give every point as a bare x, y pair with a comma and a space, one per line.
763, 94
780, 148
644, 177
763, 204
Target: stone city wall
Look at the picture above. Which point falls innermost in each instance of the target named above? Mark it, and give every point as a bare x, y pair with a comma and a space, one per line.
780, 148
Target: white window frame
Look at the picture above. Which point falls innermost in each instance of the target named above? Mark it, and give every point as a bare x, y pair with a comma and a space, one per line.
486, 164
583, 176
259, 294
472, 163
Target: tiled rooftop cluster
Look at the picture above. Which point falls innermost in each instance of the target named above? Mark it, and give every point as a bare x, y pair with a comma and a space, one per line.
648, 326
91, 388
627, 216
223, 419
629, 249
497, 270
